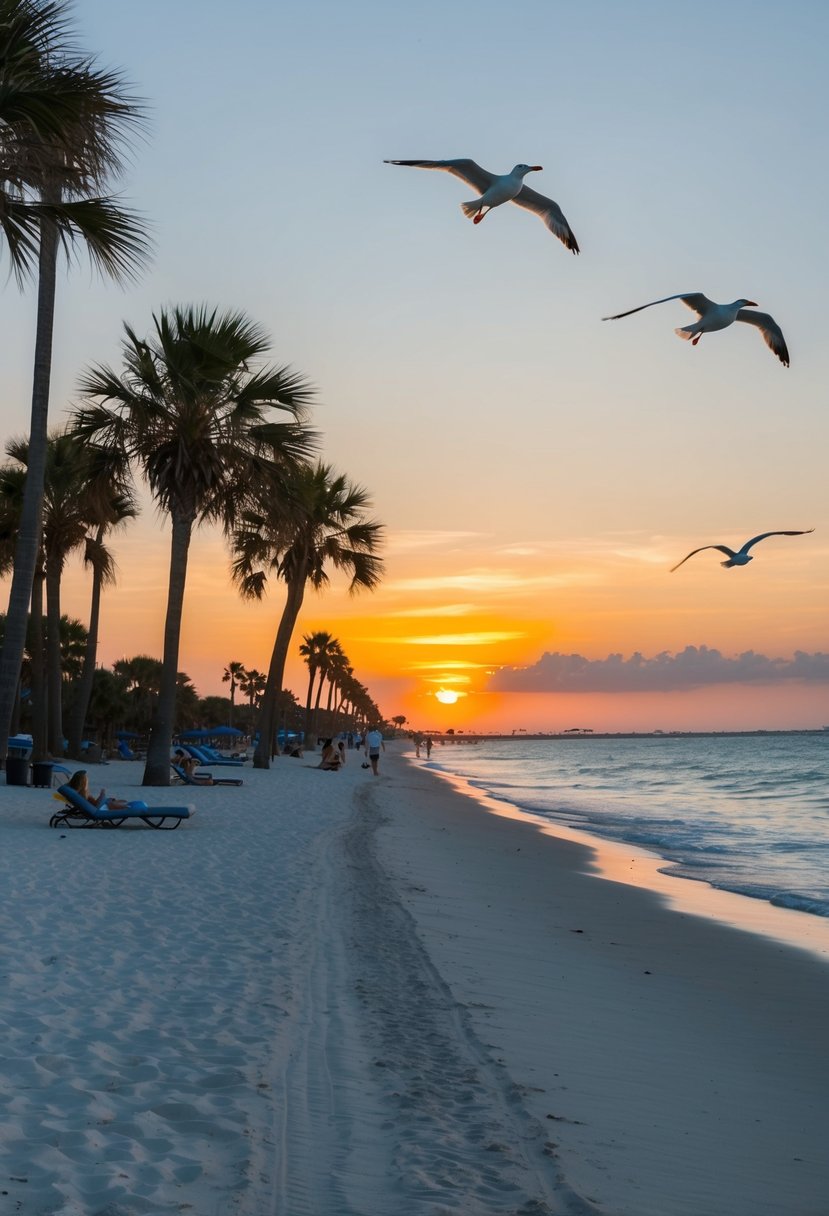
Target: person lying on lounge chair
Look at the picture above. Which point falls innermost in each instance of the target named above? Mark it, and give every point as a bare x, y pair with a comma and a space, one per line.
188, 763
79, 781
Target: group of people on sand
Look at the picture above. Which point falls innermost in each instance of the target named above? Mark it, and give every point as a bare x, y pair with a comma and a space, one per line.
334, 754
332, 759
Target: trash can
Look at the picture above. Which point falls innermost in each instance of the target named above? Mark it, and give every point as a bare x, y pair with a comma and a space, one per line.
42, 774
17, 770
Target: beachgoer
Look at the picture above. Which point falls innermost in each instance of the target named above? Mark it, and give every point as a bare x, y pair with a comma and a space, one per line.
428, 747
374, 743
79, 782
341, 750
188, 763
330, 761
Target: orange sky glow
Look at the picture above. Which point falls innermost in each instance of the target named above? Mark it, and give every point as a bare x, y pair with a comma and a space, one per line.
454, 608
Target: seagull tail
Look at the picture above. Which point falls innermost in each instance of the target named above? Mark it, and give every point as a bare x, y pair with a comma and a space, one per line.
729, 564
686, 334
472, 209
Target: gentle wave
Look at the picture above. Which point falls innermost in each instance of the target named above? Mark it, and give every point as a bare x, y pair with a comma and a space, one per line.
745, 813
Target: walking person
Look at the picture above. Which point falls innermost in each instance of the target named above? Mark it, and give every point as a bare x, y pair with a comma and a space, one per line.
374, 744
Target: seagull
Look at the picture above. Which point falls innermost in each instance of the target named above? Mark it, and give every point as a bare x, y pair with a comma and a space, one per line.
740, 557
719, 316
496, 190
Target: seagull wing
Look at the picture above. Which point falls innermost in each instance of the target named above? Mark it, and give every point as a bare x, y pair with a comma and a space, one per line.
550, 213
694, 300
771, 331
756, 539
467, 170
722, 548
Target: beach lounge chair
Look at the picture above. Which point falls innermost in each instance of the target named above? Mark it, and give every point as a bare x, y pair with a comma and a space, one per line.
203, 755
205, 779
125, 751
218, 758
78, 812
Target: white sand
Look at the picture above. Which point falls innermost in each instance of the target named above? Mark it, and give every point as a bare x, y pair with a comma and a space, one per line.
332, 995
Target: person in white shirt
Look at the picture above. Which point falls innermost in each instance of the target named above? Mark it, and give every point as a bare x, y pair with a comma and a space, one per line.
374, 744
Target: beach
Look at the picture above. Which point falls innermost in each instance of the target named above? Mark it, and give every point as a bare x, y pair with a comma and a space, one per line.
334, 995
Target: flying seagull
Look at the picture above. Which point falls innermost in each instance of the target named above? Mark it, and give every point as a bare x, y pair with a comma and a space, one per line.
719, 316
495, 190
739, 557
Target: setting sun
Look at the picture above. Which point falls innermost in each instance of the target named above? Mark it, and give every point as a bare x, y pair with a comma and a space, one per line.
447, 696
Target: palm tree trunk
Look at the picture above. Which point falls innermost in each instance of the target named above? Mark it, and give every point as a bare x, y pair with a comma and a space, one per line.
315, 720
157, 768
38, 689
28, 540
276, 672
312, 667
83, 690
54, 681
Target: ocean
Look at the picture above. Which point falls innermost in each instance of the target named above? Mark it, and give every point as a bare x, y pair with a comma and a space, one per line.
745, 813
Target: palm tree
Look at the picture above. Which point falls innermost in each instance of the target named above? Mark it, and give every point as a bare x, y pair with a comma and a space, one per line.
339, 672
112, 504
316, 649
190, 412
64, 128
253, 685
233, 673
325, 526
74, 482
311, 646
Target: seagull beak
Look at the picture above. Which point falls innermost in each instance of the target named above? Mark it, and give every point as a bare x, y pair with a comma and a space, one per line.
536, 168
754, 304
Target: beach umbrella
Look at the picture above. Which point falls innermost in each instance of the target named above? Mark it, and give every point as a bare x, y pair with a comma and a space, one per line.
225, 731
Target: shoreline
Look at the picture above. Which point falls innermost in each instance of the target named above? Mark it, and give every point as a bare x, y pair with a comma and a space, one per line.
674, 1065
637, 866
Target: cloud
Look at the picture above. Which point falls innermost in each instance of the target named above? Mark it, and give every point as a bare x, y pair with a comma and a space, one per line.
482, 637
440, 610
693, 667
414, 539
489, 581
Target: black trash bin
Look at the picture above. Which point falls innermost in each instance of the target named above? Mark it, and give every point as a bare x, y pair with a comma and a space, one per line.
17, 770
42, 774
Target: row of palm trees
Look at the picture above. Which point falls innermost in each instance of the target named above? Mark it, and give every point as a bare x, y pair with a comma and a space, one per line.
85, 496
348, 702
191, 407
347, 697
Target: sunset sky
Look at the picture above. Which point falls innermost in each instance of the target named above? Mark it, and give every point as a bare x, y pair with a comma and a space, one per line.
538, 471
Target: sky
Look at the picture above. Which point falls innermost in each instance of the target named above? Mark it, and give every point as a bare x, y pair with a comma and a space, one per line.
538, 471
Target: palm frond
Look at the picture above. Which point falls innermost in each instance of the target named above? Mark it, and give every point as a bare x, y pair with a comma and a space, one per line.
116, 238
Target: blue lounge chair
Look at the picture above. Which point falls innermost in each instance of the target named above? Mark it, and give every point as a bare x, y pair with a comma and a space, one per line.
202, 754
204, 779
125, 751
219, 758
79, 812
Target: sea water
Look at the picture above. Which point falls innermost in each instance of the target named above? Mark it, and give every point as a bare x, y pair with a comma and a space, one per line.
745, 813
